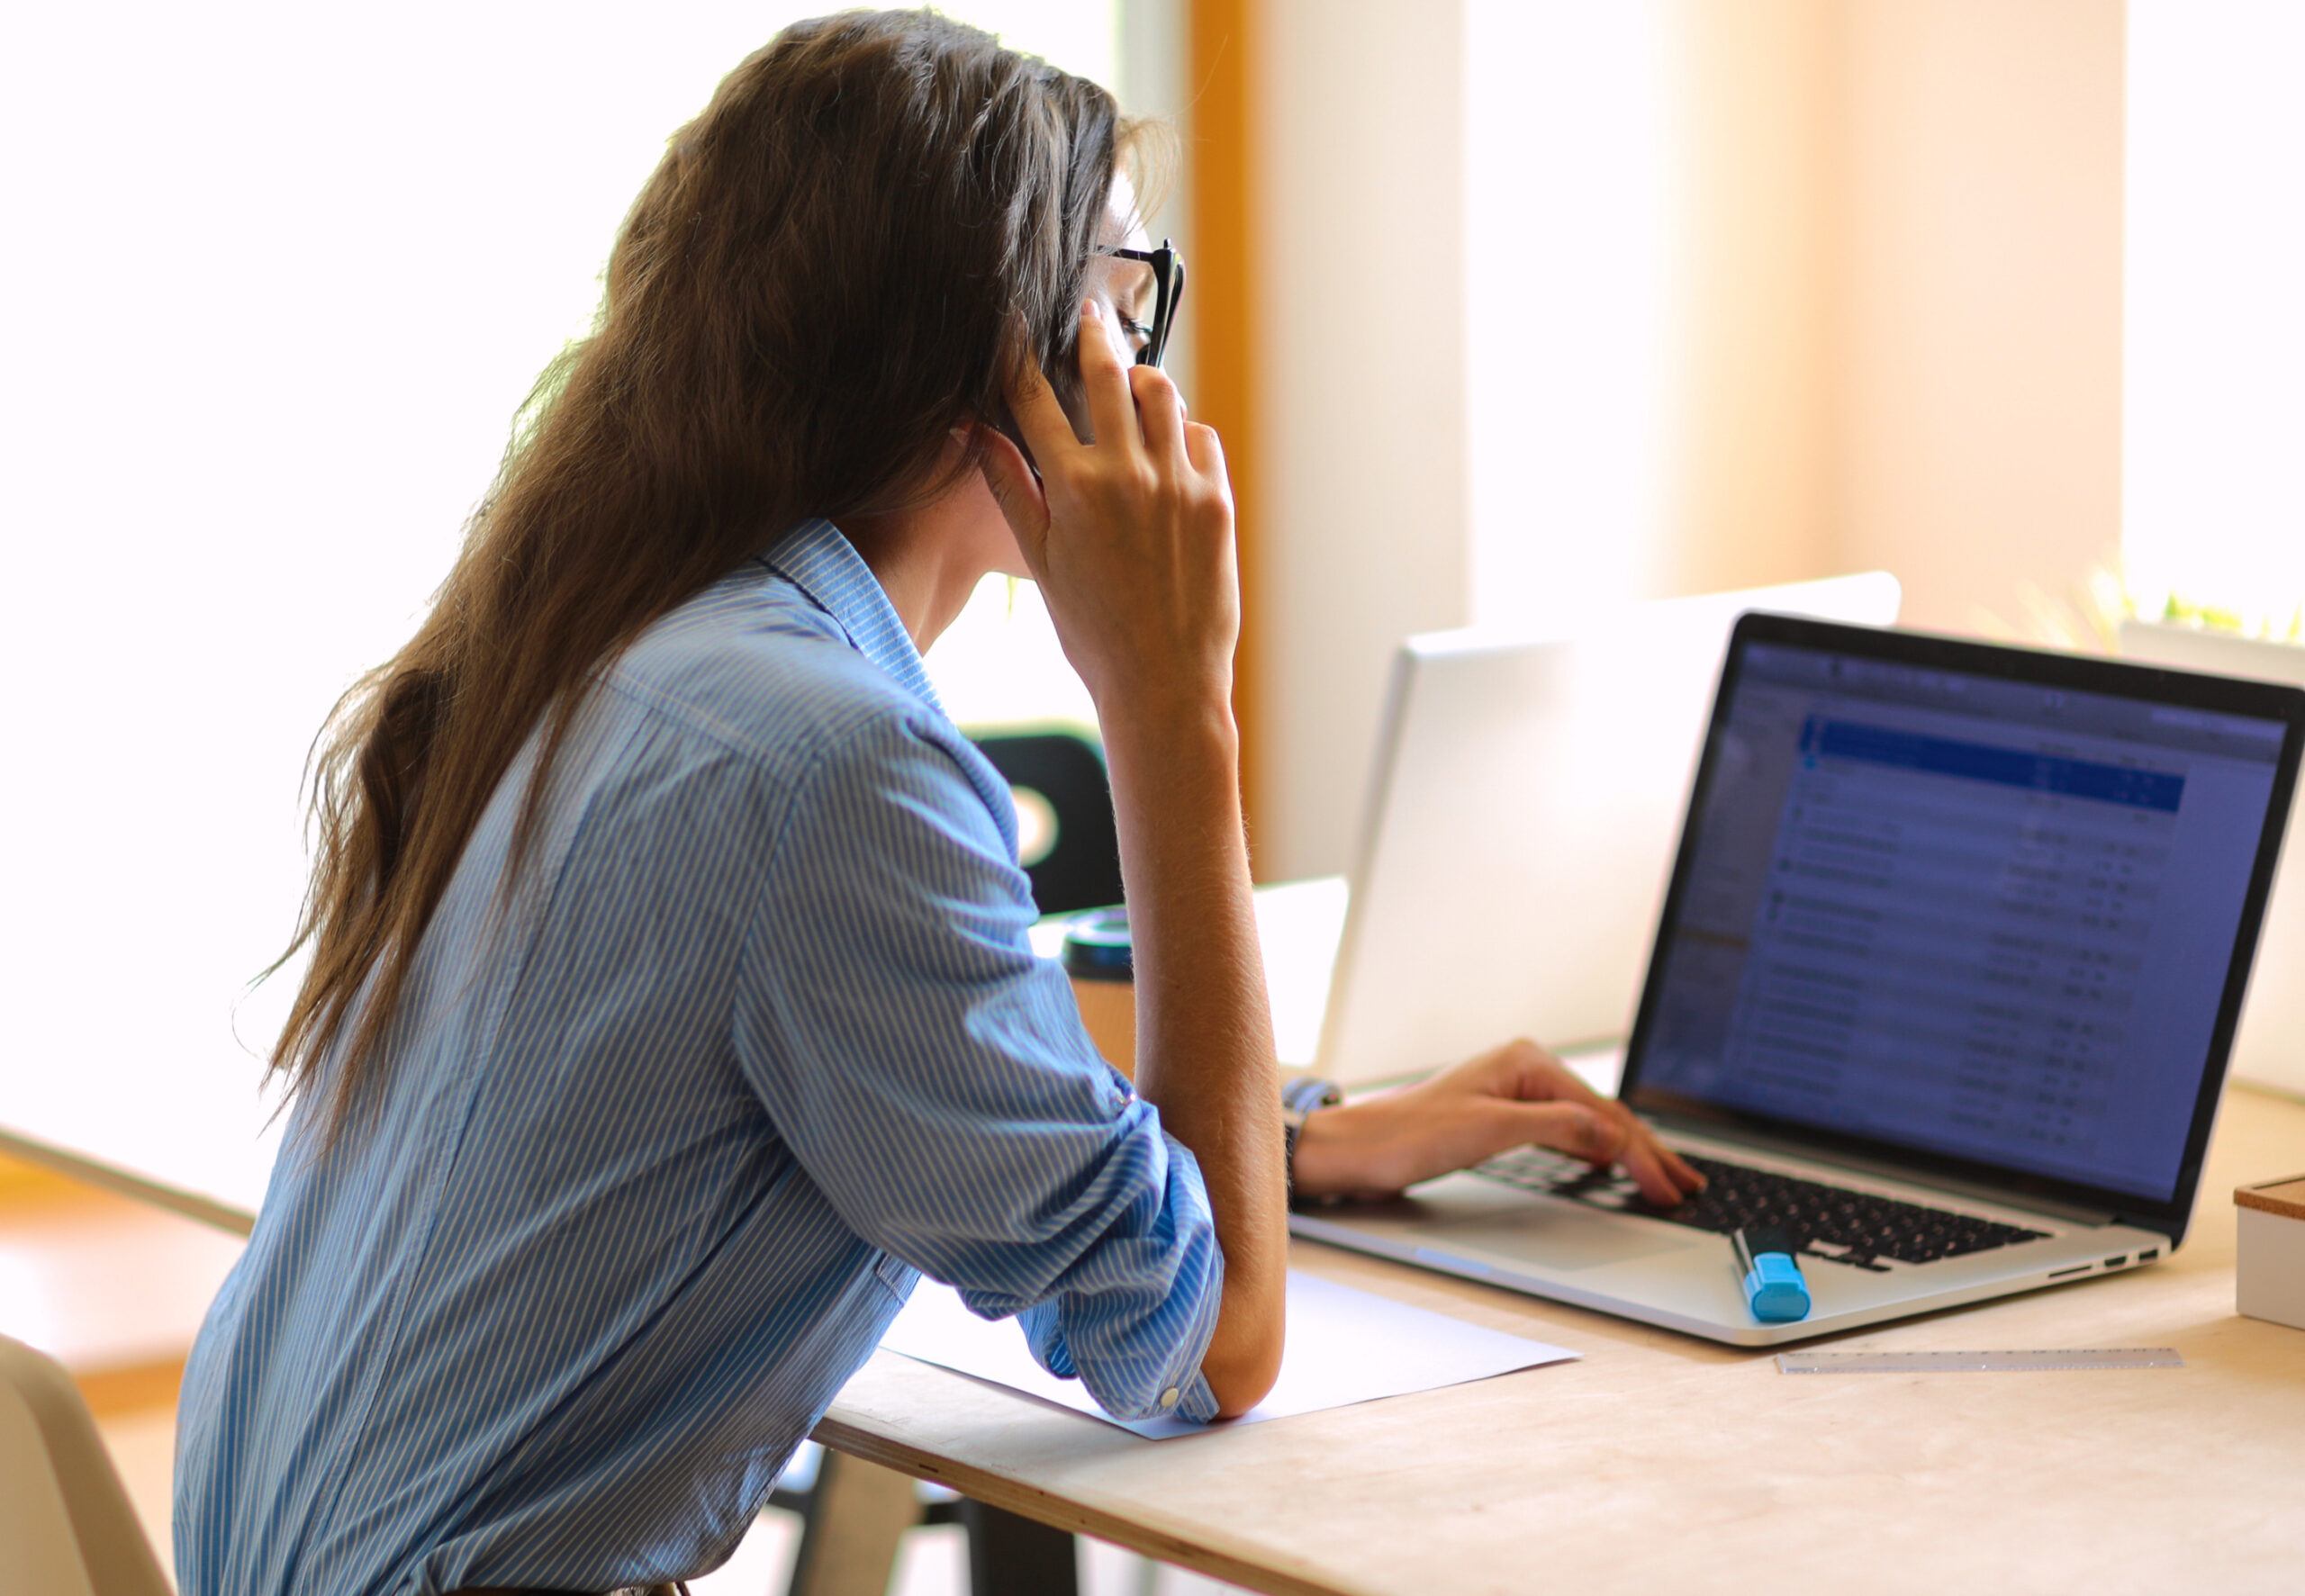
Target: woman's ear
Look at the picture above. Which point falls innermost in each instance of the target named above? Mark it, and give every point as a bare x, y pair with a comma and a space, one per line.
1004, 426
1061, 371
1015, 486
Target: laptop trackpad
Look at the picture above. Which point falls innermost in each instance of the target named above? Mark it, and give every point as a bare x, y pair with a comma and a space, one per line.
1561, 1240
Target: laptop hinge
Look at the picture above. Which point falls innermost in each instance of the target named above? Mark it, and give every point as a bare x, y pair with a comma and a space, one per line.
1882, 1169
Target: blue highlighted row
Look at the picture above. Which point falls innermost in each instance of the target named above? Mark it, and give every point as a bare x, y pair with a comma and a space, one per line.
2011, 767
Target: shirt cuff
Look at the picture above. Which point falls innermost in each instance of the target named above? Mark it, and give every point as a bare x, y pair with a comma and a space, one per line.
1195, 1400
1175, 1389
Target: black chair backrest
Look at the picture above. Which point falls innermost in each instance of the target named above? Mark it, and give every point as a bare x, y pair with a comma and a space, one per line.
1064, 805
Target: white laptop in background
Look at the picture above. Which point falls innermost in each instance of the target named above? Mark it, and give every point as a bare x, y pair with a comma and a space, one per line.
2270, 1051
1944, 986
1520, 817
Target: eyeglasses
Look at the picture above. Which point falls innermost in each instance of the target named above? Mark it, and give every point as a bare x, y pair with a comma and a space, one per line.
1168, 293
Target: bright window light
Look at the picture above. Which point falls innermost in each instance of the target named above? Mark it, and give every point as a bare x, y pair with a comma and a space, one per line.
2213, 455
1573, 301
279, 276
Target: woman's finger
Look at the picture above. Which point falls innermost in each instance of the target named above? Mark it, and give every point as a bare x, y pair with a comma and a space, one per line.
1521, 1068
1205, 450
1664, 1176
1569, 1128
1617, 1138
1642, 1159
1685, 1174
1161, 412
1104, 382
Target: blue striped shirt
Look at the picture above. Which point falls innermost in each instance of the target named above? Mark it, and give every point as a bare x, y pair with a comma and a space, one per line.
663, 1137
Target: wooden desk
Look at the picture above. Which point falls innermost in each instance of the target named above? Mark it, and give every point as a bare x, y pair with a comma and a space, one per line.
1661, 1461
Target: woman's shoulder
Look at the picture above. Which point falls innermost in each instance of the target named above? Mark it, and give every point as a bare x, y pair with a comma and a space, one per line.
754, 663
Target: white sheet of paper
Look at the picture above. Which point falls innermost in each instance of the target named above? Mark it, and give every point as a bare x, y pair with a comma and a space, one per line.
1344, 1347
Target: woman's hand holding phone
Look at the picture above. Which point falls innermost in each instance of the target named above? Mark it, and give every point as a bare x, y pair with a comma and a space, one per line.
1129, 533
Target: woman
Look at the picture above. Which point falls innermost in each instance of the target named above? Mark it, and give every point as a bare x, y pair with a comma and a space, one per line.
670, 1002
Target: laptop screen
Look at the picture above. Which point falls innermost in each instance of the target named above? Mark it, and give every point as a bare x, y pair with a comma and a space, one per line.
1968, 915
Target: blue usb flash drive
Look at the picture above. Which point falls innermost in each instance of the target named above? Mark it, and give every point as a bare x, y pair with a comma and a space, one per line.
1774, 1287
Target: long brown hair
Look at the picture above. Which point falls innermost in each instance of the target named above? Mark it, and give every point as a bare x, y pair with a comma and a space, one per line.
829, 270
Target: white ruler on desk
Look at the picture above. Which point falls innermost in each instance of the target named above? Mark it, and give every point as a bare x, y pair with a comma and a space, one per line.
1962, 1363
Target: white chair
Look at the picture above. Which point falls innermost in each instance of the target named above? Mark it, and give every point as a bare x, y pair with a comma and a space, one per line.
65, 1523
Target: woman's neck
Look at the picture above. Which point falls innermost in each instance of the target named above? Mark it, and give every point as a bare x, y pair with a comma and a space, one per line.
928, 559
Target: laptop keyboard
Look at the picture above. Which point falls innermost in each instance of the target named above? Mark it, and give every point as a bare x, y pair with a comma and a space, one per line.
1833, 1223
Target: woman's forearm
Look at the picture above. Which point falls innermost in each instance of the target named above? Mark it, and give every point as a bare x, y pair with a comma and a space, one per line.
1204, 1030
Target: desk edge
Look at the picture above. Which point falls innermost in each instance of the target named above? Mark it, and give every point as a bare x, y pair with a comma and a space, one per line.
1078, 1519
191, 1204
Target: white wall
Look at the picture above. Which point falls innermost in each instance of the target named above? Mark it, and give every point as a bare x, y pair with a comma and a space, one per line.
1651, 303
1762, 160
2215, 498
1581, 357
1362, 403
1979, 346
1574, 335
1752, 290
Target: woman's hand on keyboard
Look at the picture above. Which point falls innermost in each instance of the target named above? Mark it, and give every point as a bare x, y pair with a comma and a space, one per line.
1513, 1097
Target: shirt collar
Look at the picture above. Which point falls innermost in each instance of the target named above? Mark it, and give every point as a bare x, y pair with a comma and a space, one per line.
814, 558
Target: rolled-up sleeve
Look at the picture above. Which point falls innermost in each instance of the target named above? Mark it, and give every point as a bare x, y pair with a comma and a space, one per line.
931, 1075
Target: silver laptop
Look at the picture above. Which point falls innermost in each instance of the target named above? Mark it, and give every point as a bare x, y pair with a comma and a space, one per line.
1944, 985
1514, 777
2269, 1048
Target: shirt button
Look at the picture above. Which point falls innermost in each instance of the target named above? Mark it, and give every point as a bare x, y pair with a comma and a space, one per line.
1169, 1397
